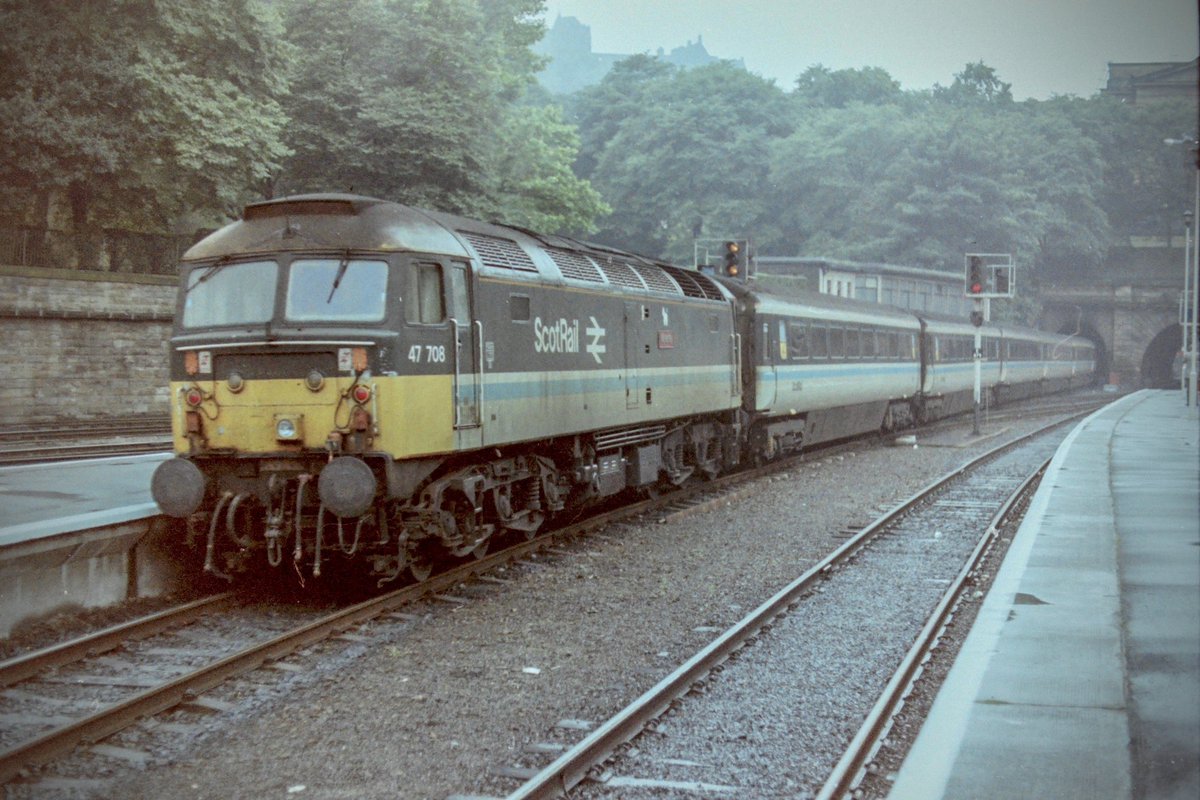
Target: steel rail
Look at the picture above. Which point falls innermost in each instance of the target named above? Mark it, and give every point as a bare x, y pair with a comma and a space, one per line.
26, 665
848, 773
572, 766
118, 716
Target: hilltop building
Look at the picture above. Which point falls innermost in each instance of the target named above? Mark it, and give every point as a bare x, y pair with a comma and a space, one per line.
573, 65
1140, 82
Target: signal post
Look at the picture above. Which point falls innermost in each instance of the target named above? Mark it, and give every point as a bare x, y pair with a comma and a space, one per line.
986, 275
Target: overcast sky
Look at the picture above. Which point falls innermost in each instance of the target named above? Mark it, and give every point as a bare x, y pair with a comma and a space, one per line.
1041, 47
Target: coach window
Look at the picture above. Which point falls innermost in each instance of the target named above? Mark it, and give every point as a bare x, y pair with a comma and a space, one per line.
853, 347
425, 293
818, 341
837, 343
797, 340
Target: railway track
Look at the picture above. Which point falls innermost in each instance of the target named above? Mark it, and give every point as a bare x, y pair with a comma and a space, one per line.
185, 685
118, 436
76, 662
616, 755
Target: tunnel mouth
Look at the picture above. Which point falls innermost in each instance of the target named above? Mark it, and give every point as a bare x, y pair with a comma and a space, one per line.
1159, 357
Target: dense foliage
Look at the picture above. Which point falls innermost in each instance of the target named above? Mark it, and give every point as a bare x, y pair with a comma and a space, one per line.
848, 165
141, 114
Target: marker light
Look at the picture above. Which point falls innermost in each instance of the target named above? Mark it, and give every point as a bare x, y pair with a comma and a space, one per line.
235, 382
193, 397
361, 393
314, 381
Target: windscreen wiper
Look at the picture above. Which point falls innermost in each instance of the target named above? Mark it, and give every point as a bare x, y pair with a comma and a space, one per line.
337, 279
213, 269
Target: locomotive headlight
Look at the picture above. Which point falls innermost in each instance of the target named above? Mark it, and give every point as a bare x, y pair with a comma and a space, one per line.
235, 382
287, 427
314, 381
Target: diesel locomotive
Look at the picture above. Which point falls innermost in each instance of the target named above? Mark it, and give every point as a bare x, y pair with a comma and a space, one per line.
355, 381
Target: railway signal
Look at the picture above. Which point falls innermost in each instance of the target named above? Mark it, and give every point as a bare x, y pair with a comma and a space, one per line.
733, 266
974, 275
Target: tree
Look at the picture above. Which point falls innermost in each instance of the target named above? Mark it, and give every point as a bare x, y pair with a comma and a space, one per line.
532, 182
135, 111
400, 99
923, 186
820, 87
689, 159
977, 84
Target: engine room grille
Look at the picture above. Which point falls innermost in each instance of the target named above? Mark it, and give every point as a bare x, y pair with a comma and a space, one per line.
694, 284
574, 265
499, 253
656, 279
620, 273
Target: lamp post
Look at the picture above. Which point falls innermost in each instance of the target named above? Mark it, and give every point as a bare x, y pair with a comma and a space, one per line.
1193, 301
1184, 298
1191, 279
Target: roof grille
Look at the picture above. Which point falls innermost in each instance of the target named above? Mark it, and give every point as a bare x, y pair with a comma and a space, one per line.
574, 265
499, 253
619, 273
694, 284
656, 279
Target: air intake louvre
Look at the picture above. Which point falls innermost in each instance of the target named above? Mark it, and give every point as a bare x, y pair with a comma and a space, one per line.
499, 253
656, 278
694, 284
620, 273
574, 265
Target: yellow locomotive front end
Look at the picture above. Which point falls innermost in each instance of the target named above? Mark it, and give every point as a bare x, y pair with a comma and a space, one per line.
297, 410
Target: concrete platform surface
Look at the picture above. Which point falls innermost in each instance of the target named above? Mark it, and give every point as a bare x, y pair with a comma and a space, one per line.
42, 500
1081, 675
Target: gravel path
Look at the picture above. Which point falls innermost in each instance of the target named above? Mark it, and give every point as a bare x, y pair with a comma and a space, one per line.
435, 705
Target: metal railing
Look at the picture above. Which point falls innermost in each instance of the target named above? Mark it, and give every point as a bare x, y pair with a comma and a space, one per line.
109, 250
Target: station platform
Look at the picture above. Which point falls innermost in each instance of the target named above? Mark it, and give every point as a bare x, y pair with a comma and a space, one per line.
1081, 675
42, 500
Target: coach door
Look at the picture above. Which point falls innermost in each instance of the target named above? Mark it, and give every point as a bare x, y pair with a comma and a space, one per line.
768, 378
466, 333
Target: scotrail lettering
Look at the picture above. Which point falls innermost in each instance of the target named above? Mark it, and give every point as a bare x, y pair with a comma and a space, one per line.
561, 336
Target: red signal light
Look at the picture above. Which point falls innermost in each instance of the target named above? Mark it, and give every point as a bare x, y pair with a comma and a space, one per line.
360, 393
193, 397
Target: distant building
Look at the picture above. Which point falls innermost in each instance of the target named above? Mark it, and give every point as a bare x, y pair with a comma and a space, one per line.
573, 65
912, 288
1142, 82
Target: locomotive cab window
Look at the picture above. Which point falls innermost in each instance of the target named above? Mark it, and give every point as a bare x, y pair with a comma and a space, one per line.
424, 305
345, 289
227, 293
